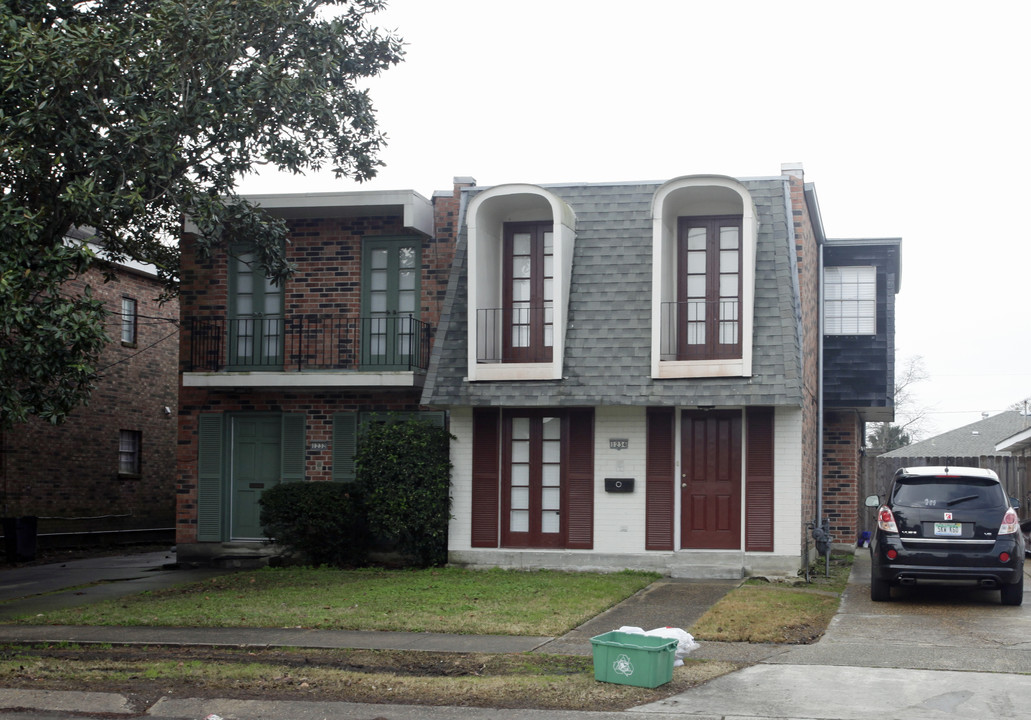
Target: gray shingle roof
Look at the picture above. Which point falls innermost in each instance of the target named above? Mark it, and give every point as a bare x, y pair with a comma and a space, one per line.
973, 440
608, 336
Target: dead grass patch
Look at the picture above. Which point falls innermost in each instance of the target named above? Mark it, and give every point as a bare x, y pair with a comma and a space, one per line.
523, 680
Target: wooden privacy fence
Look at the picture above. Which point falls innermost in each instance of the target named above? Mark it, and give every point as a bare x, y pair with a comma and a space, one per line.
876, 474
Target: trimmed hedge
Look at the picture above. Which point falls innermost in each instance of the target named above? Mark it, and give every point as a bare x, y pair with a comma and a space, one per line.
323, 522
403, 471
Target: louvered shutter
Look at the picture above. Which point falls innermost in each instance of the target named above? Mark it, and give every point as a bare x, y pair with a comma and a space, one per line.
209, 477
292, 455
759, 480
660, 479
485, 489
580, 480
345, 444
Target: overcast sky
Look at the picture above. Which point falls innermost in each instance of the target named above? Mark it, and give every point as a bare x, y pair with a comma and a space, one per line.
910, 118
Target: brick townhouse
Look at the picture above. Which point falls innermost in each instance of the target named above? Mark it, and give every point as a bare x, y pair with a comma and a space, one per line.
107, 474
276, 379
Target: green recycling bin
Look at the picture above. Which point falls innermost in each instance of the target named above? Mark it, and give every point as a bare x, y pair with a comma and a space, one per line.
633, 659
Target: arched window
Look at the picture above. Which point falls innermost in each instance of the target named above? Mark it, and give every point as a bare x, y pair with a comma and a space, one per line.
703, 276
520, 241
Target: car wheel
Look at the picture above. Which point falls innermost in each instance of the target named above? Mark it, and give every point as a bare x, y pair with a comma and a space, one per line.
1013, 594
880, 590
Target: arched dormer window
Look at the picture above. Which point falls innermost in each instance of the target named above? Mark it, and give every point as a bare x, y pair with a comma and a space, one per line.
520, 261
704, 234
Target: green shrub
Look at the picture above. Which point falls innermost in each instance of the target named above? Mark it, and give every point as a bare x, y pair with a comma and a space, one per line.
404, 472
323, 522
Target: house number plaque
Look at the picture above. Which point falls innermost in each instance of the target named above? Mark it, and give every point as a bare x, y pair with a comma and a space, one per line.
319, 446
619, 443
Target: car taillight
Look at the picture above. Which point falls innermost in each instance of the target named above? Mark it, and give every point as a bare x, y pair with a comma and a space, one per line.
1010, 523
886, 521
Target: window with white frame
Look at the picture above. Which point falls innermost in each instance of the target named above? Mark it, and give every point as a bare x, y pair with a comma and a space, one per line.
850, 300
128, 321
129, 452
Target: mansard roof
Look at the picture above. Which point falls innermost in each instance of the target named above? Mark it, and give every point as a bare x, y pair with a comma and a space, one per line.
608, 335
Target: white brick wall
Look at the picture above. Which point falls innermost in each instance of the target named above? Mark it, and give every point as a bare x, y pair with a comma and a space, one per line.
619, 518
460, 529
787, 483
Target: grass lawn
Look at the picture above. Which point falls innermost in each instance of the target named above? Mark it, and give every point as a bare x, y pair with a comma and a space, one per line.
439, 600
448, 600
778, 612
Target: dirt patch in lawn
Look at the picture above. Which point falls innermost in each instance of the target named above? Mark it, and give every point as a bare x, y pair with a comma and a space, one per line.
523, 680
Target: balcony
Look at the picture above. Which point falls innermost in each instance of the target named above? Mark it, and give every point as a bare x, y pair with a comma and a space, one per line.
519, 334
383, 346
700, 338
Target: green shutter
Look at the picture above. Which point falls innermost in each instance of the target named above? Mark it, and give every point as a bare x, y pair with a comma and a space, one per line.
292, 457
209, 478
345, 444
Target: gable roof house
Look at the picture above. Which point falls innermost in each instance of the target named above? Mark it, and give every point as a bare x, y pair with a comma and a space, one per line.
998, 442
632, 372
275, 379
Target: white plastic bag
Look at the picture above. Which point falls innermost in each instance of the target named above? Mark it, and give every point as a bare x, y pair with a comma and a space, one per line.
685, 642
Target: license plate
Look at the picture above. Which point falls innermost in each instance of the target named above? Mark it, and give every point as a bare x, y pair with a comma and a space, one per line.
948, 529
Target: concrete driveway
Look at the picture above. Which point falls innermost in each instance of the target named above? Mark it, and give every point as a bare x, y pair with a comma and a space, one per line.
929, 653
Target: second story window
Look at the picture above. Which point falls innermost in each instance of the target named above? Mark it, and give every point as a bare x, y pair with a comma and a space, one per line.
705, 235
255, 314
390, 335
528, 298
850, 300
708, 308
520, 260
128, 321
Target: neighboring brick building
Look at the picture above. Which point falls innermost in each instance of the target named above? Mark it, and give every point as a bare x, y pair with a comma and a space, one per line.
275, 380
107, 474
632, 372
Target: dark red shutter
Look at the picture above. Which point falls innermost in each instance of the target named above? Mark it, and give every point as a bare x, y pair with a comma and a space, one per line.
580, 480
759, 480
486, 461
660, 478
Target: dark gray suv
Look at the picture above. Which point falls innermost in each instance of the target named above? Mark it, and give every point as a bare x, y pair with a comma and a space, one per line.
942, 524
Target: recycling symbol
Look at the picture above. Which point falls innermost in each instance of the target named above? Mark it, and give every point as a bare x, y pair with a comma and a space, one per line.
623, 665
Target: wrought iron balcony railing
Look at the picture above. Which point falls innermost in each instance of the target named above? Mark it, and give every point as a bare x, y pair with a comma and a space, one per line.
309, 342
686, 325
514, 334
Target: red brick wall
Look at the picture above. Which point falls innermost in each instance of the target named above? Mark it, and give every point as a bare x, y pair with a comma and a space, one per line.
842, 439
71, 470
317, 406
807, 258
327, 255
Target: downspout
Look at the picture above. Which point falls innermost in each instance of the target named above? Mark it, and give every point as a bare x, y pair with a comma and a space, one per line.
819, 388
816, 219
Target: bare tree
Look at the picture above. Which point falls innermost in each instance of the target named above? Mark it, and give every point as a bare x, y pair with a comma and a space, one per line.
909, 416
1021, 406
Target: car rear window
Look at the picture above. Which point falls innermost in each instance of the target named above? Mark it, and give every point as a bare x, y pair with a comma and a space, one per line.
961, 492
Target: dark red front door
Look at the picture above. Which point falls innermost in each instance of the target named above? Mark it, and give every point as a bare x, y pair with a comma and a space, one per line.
710, 480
